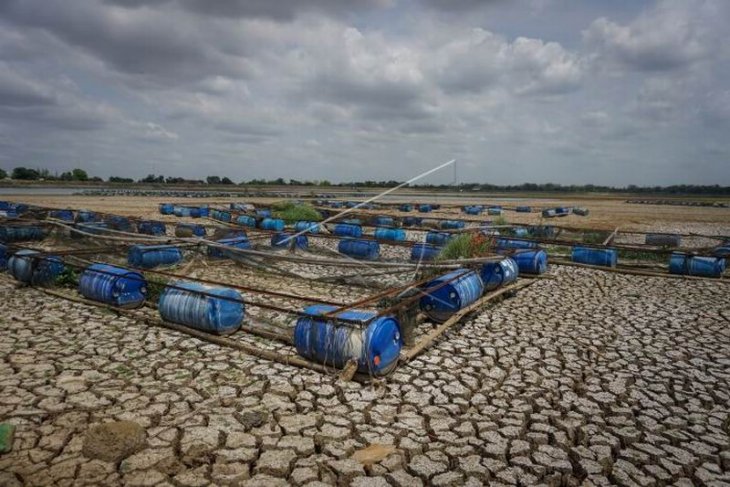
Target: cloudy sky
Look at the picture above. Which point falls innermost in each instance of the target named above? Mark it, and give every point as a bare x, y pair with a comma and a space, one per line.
606, 92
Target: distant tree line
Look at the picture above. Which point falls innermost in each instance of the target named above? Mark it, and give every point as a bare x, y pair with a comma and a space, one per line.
77, 174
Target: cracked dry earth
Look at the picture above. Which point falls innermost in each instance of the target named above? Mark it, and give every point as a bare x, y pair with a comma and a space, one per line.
588, 378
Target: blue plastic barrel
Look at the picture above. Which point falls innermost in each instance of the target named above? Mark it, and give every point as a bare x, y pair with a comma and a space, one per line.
306, 226
347, 230
246, 221
494, 210
180, 211
5, 205
375, 347
425, 208
508, 243
438, 238
65, 215
218, 310
383, 221
443, 300
691, 265
149, 256
85, 216
451, 224
336, 204
472, 210
392, 234
220, 215
284, 240
412, 221
3, 257
663, 239
496, 274
119, 223
406, 207
523, 209
187, 230
263, 213
234, 242
549, 213
520, 232
113, 285
167, 208
581, 211
31, 267
195, 212
602, 257
21, 233
150, 227
203, 211
424, 251
359, 249
531, 261
274, 224
563, 211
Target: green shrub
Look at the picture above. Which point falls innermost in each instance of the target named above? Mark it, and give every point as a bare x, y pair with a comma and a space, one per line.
293, 212
466, 246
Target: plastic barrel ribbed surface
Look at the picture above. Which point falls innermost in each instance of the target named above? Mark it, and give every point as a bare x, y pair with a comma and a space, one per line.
602, 257
497, 274
305, 226
383, 221
375, 347
689, 265
284, 241
359, 249
3, 257
24, 233
246, 221
412, 221
113, 285
218, 310
392, 234
508, 243
405, 207
237, 242
149, 256
663, 239
442, 301
30, 267
272, 224
424, 251
451, 224
167, 208
65, 215
347, 230
149, 227
531, 261
523, 209
438, 238
187, 230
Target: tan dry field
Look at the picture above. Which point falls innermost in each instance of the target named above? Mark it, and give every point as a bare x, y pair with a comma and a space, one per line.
605, 213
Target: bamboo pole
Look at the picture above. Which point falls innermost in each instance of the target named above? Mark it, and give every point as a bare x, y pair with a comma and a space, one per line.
431, 336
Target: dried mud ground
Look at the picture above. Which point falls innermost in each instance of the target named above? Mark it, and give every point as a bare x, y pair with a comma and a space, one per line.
588, 378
